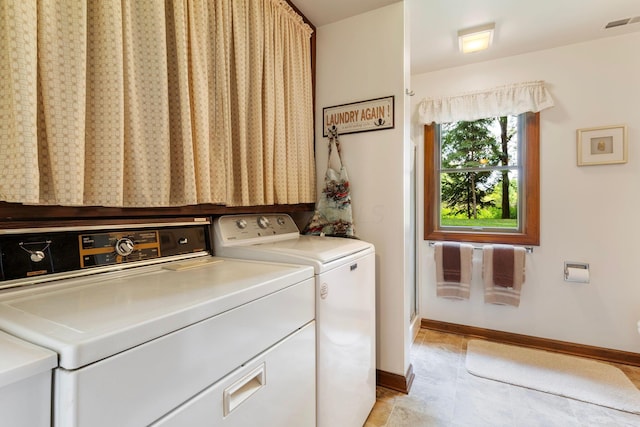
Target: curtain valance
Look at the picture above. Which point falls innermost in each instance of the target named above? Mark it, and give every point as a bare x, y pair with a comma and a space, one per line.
500, 101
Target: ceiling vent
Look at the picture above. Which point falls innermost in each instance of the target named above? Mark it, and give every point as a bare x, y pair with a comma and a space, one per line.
621, 22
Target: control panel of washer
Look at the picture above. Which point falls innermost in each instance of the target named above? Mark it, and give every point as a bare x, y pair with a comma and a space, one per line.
43, 251
246, 229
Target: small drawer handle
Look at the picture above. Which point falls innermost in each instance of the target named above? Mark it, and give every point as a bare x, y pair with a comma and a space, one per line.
243, 389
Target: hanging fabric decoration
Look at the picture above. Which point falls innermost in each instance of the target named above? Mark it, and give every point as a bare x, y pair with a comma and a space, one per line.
333, 215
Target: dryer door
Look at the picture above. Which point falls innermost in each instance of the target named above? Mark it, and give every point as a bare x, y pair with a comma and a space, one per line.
276, 388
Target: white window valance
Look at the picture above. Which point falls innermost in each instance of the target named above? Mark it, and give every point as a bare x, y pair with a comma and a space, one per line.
500, 101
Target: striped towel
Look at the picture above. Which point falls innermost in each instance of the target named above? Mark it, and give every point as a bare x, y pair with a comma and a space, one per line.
453, 269
503, 272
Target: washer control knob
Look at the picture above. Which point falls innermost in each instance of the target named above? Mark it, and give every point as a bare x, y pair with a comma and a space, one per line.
263, 222
37, 256
241, 223
124, 246
281, 220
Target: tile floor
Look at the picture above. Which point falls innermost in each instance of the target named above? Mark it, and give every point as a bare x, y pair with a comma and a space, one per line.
445, 394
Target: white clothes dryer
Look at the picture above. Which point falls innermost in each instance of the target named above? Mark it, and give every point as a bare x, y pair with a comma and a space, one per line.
345, 305
145, 327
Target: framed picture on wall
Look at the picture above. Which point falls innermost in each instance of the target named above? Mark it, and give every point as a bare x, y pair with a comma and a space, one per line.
603, 145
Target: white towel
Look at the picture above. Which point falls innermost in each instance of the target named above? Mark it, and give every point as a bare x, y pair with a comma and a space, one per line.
495, 294
455, 290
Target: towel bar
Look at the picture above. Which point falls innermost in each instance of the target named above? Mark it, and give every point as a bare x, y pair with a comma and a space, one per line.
528, 249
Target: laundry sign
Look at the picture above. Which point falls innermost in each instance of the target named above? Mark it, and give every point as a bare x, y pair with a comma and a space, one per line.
363, 116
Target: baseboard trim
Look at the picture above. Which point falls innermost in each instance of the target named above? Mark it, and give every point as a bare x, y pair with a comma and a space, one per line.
599, 353
394, 381
414, 328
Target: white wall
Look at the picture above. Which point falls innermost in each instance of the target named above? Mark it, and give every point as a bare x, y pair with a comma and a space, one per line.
588, 214
362, 58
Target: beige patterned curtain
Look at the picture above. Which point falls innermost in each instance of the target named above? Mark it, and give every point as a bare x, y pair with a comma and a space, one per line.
154, 103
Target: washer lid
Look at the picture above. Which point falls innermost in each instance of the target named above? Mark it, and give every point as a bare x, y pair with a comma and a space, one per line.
323, 249
323, 253
90, 318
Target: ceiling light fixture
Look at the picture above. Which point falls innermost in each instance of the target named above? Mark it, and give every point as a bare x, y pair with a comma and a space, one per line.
476, 38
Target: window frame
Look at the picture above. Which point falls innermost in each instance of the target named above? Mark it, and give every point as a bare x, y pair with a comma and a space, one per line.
530, 232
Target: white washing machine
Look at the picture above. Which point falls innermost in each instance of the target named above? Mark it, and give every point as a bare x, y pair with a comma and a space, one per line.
345, 305
147, 328
25, 383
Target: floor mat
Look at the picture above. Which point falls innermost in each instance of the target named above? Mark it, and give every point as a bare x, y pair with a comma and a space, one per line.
574, 377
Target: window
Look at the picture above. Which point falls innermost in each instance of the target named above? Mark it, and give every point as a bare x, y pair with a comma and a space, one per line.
482, 180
